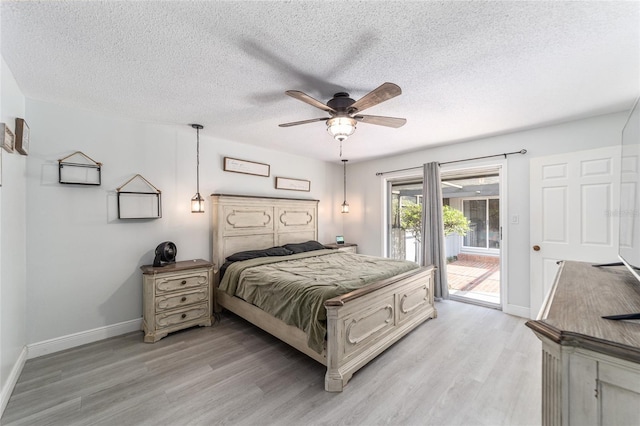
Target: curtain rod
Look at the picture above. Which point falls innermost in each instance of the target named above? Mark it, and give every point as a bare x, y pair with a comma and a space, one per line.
522, 151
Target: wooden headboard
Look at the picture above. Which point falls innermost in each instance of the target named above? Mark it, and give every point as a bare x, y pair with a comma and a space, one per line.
251, 223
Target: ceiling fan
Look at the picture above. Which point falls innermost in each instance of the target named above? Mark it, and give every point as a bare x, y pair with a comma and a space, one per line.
345, 112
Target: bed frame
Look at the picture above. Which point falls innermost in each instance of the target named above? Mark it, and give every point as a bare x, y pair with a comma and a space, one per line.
360, 324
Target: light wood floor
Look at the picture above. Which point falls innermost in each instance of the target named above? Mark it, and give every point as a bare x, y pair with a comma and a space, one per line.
470, 366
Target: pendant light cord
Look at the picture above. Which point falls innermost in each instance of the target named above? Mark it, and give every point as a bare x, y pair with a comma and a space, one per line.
197, 202
198, 160
344, 163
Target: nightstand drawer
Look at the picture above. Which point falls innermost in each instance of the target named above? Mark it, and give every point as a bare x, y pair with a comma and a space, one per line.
172, 301
172, 318
349, 249
180, 282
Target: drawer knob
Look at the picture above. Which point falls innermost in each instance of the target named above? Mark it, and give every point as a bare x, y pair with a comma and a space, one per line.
184, 316
183, 282
184, 299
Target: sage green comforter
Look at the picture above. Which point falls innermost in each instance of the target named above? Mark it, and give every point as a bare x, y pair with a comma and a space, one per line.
294, 288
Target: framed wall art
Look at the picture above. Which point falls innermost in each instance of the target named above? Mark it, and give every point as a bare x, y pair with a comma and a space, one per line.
293, 184
79, 169
139, 199
22, 136
6, 136
247, 167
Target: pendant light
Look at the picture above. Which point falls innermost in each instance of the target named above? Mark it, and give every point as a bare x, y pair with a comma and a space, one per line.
345, 206
197, 202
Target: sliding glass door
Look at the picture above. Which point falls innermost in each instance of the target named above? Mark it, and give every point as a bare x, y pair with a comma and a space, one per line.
484, 223
473, 257
405, 220
473, 252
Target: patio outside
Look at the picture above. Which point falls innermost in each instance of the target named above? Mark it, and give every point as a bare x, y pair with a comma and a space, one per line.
475, 277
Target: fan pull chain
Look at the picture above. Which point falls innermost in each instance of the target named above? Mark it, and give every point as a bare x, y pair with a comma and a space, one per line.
340, 149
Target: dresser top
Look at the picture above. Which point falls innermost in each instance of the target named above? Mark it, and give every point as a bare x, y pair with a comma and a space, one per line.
176, 267
581, 295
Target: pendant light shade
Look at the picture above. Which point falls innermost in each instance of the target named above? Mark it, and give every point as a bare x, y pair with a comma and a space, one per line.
197, 202
345, 206
341, 127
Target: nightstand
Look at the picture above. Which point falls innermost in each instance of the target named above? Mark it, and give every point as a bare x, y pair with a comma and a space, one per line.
348, 247
176, 296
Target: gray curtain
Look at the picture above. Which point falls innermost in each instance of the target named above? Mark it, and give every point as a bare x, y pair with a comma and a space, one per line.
433, 252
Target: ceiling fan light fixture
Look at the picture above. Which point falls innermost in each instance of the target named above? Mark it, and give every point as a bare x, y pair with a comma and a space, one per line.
340, 128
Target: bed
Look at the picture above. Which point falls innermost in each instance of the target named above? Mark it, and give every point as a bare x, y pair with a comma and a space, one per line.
360, 324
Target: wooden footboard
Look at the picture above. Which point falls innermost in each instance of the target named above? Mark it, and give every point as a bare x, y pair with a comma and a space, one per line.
363, 323
360, 324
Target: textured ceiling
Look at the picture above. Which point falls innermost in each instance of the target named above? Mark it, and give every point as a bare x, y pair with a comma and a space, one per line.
467, 69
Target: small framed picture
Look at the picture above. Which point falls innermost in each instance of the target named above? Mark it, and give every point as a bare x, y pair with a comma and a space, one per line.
6, 136
246, 167
22, 136
293, 184
339, 239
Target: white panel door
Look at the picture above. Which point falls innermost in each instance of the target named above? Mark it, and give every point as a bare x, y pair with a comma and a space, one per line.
574, 205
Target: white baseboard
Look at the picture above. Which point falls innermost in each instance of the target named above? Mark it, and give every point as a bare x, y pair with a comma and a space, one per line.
7, 389
82, 338
519, 311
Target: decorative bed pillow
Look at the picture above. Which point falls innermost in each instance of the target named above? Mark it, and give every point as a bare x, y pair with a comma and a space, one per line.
252, 254
302, 247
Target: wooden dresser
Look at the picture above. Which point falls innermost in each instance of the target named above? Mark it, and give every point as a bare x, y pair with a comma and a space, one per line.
590, 365
176, 296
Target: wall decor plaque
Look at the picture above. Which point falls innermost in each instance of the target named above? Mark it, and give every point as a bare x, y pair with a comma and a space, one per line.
293, 184
22, 136
247, 167
6, 137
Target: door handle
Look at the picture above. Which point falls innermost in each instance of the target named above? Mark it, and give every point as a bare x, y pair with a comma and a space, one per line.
536, 248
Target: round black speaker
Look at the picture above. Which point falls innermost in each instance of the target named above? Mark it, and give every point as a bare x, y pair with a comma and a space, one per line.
165, 254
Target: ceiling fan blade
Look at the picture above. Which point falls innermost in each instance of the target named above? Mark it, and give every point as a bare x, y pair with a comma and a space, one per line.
309, 100
381, 121
295, 123
383, 93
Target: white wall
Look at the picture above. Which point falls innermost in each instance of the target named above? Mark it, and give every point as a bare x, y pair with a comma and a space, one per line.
13, 334
364, 224
82, 262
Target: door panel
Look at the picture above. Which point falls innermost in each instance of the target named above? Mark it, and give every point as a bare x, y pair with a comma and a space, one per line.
554, 211
596, 224
572, 197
